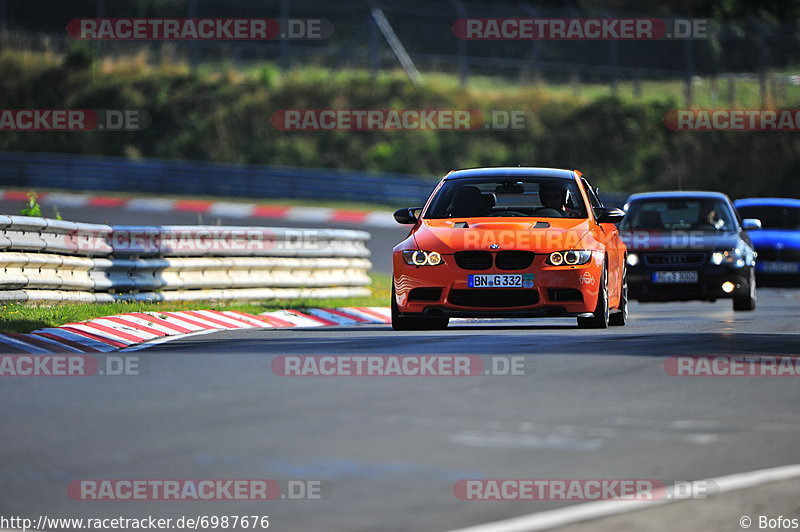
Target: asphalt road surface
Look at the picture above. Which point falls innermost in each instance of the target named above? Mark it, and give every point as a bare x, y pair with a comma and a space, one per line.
381, 244
595, 404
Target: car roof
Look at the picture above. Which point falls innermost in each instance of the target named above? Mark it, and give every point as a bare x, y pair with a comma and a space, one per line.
511, 171
682, 194
771, 202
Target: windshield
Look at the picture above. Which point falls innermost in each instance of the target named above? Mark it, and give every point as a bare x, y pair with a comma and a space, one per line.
773, 216
698, 214
508, 197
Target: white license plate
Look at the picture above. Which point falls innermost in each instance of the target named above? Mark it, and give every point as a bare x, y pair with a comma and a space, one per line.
495, 281
780, 267
675, 277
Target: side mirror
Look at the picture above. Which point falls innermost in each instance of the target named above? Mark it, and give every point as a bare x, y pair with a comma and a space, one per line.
751, 224
609, 215
407, 215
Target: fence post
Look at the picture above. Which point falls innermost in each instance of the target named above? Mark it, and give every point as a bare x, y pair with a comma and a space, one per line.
637, 85
688, 61
535, 48
283, 44
575, 81
761, 54
2, 23
613, 60
731, 91
714, 90
100, 12
461, 47
191, 12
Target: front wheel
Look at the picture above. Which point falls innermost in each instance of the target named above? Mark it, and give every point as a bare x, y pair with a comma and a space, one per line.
747, 301
600, 316
620, 317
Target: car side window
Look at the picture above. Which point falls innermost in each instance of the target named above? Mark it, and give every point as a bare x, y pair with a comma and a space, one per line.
593, 199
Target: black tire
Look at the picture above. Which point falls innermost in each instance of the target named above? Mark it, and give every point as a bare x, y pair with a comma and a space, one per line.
747, 301
601, 312
620, 318
414, 323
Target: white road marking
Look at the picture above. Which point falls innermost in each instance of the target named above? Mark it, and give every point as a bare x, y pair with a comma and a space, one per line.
550, 519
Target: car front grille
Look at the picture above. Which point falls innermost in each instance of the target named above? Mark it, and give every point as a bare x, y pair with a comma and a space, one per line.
514, 260
688, 258
473, 260
493, 298
504, 260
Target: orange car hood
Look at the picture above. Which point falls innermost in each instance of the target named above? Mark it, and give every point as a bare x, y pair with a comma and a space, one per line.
533, 234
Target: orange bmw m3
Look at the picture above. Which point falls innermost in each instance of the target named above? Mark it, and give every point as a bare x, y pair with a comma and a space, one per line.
510, 242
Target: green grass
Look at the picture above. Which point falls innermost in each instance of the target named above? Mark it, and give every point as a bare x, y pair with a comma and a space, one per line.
746, 93
21, 317
705, 94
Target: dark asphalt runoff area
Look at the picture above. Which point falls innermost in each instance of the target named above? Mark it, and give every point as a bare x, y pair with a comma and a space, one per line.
595, 404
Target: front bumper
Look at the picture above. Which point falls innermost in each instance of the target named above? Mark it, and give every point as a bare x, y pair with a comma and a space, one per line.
444, 290
642, 287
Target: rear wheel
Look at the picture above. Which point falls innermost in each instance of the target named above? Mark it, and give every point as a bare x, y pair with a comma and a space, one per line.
747, 301
414, 323
600, 316
620, 317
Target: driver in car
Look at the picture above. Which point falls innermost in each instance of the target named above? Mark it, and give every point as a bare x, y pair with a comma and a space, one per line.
555, 198
713, 219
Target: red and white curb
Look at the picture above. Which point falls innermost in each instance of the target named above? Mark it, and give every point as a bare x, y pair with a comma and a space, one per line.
227, 209
136, 330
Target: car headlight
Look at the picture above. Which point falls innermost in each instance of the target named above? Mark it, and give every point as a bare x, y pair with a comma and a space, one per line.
632, 259
573, 257
717, 258
417, 257
730, 256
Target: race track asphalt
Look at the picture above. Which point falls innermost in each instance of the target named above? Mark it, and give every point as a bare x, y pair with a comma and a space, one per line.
595, 404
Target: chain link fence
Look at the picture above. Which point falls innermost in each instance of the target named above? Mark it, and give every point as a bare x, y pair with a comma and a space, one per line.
742, 63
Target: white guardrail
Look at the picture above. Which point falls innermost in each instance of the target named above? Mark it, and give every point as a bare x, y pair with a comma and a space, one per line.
50, 261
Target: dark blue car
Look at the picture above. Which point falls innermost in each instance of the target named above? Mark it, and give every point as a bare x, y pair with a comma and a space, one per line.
778, 241
688, 245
